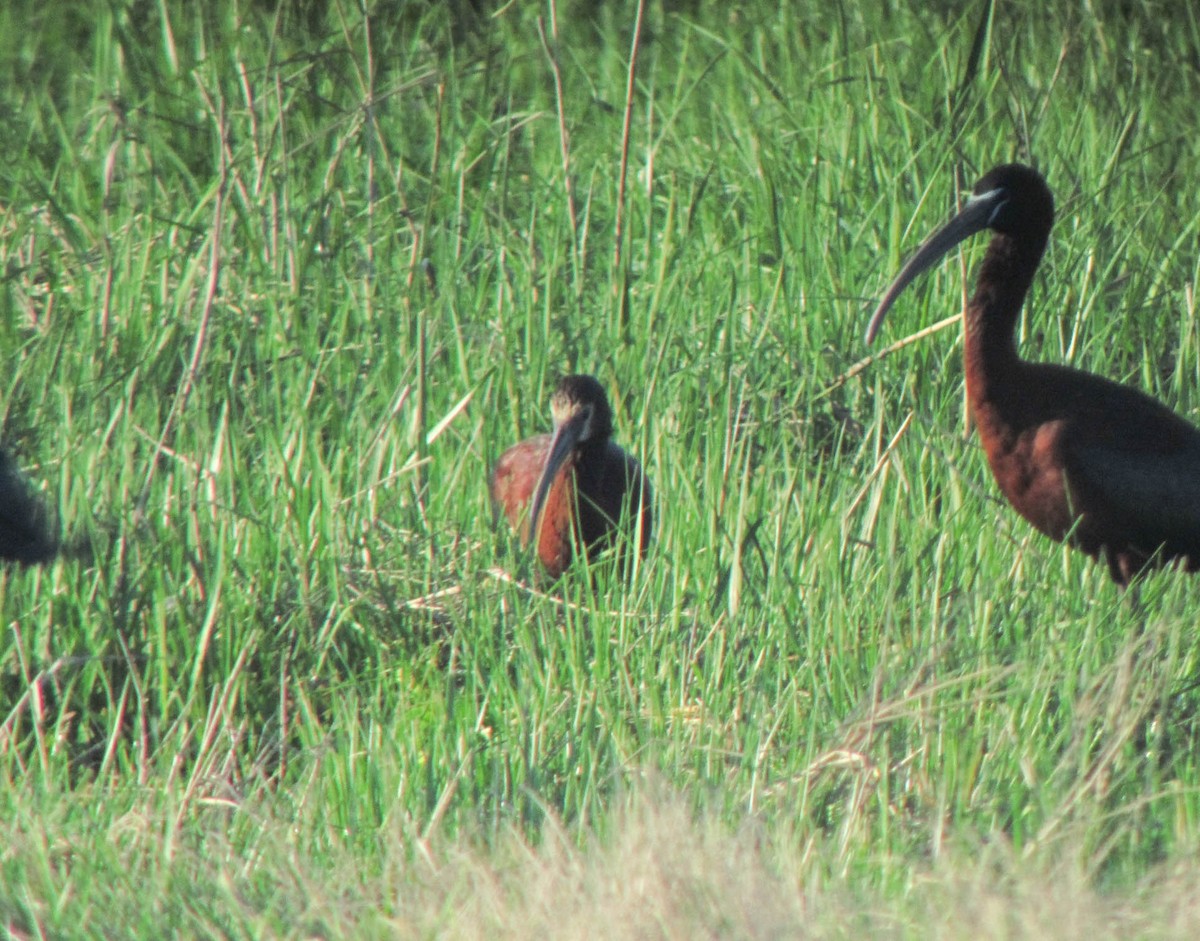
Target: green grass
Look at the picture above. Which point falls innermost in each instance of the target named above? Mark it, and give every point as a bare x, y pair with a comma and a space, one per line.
291, 681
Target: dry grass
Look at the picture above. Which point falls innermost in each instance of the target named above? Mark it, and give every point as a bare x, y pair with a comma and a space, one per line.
664, 873
659, 869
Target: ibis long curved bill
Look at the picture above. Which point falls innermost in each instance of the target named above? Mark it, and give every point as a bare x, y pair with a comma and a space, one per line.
975, 216
569, 432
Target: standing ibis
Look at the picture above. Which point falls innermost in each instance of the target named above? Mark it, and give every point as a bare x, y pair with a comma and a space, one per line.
1082, 458
586, 491
26, 524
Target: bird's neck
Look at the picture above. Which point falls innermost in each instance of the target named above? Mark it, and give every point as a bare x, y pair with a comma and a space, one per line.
590, 449
1004, 278
587, 463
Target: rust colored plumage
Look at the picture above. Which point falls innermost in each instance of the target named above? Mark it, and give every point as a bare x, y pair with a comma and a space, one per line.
1082, 458
575, 487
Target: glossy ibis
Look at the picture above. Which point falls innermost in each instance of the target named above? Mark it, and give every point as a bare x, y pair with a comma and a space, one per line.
584, 488
27, 530
1082, 458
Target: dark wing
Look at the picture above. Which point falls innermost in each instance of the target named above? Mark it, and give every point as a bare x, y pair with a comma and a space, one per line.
27, 526
619, 489
1132, 463
1156, 495
1137, 463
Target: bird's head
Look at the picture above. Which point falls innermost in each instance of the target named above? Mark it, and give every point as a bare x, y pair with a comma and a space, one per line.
581, 415
1011, 199
579, 403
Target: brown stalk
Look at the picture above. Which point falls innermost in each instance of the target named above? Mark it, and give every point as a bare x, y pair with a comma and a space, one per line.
625, 133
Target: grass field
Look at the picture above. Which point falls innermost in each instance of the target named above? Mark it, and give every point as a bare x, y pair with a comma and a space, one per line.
280, 286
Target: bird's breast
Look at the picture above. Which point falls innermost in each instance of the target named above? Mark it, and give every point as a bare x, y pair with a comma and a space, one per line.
1029, 469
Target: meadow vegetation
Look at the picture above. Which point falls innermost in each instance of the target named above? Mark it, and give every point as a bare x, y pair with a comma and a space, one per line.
280, 284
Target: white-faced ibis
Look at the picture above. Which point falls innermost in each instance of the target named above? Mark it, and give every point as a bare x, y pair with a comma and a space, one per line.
27, 530
584, 488
1082, 458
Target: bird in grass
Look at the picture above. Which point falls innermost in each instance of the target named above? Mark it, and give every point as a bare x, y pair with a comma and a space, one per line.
1082, 458
27, 526
574, 489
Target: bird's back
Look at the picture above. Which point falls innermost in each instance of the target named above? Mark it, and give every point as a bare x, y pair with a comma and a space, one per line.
1079, 454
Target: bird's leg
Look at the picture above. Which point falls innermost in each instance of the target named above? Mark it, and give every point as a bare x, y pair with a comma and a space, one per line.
1118, 566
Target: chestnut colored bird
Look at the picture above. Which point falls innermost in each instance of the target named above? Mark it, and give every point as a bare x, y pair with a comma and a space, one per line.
27, 530
1105, 466
584, 488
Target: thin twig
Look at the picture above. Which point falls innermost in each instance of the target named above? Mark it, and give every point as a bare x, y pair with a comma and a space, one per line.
500, 575
625, 133
880, 464
564, 139
370, 130
887, 351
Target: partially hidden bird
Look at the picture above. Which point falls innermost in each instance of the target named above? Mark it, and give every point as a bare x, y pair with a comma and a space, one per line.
27, 525
1082, 458
575, 488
